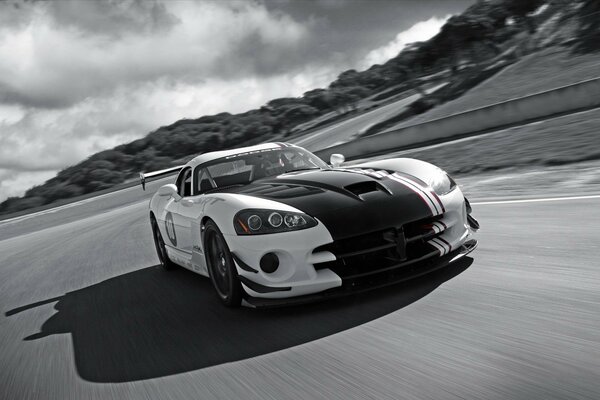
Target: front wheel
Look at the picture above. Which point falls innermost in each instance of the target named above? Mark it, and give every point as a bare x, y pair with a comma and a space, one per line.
159, 243
221, 267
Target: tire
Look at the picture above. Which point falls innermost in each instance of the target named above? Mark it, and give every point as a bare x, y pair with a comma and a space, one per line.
159, 243
221, 267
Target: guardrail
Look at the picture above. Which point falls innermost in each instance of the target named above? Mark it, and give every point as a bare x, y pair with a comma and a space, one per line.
570, 98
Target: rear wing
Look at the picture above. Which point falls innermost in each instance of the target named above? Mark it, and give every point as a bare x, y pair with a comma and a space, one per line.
157, 174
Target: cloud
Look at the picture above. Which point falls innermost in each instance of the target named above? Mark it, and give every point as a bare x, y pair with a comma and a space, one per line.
223, 40
419, 32
12, 182
112, 18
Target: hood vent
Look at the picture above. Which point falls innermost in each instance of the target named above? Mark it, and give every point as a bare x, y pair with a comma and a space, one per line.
361, 188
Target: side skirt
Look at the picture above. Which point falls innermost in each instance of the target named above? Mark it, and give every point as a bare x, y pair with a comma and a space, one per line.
180, 257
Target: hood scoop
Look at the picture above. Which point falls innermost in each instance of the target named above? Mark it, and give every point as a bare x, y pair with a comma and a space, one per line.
360, 189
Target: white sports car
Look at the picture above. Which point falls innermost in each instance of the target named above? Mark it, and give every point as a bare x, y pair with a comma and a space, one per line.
273, 224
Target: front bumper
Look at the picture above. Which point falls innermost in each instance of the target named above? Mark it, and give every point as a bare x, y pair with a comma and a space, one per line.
380, 278
313, 263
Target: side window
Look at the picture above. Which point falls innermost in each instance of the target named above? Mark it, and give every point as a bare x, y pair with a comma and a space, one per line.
184, 182
204, 181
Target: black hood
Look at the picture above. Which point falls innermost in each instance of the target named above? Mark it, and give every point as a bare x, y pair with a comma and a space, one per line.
348, 203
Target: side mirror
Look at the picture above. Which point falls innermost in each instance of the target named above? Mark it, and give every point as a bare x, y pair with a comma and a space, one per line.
169, 190
336, 160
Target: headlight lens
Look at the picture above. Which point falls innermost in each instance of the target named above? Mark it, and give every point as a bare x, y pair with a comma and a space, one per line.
258, 222
441, 182
254, 222
275, 219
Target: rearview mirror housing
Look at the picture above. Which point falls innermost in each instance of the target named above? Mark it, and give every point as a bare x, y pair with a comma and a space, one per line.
336, 159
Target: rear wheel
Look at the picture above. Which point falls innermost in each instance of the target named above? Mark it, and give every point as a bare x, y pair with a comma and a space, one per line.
159, 243
221, 267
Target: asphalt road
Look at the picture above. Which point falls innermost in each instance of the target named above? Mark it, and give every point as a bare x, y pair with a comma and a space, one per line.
345, 130
86, 314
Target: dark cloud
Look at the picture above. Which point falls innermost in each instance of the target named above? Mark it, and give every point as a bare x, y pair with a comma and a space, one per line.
112, 18
47, 64
14, 14
352, 28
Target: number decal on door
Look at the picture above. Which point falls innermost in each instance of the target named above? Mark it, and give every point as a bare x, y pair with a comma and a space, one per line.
170, 226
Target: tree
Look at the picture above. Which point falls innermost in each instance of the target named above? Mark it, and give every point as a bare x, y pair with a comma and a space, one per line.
520, 10
588, 32
301, 113
317, 98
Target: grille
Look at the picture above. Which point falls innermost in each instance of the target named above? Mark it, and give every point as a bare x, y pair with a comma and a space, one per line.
386, 250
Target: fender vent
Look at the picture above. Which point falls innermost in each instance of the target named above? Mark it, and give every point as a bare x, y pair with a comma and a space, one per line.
361, 188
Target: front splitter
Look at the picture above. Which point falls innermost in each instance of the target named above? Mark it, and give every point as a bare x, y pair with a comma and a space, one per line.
375, 282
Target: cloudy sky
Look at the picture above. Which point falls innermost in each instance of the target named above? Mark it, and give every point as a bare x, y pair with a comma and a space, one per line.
77, 77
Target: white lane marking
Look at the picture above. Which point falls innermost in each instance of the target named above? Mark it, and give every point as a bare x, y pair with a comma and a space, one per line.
73, 204
483, 203
64, 206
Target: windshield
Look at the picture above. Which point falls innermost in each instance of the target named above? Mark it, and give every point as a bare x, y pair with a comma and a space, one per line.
241, 169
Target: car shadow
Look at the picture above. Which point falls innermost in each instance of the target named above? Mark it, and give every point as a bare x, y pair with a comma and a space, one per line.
152, 323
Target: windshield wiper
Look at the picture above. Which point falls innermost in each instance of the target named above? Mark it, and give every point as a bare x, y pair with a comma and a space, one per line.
302, 169
220, 188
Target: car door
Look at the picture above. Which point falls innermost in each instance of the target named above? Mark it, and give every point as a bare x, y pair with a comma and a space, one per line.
179, 218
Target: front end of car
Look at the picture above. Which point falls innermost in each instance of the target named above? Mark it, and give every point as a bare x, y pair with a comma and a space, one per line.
289, 256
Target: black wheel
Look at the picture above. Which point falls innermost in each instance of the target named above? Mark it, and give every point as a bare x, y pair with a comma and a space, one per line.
159, 243
221, 268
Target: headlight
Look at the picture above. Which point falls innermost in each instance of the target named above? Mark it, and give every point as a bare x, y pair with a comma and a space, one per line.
441, 182
259, 221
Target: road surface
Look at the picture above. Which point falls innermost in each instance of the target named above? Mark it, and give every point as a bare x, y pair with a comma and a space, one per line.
345, 130
87, 313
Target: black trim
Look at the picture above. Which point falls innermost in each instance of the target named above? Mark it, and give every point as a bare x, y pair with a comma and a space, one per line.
382, 280
258, 288
473, 223
367, 250
390, 268
468, 206
243, 265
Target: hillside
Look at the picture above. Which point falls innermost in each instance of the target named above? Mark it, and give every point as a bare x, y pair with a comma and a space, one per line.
494, 31
557, 63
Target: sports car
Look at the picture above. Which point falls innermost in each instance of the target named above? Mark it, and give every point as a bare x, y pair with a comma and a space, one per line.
273, 224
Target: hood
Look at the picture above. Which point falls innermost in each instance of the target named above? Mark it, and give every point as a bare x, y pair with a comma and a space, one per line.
347, 202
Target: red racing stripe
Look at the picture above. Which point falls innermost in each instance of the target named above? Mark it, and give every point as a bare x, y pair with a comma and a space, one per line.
418, 188
425, 199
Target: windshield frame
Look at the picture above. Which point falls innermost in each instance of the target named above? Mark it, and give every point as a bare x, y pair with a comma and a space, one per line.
204, 166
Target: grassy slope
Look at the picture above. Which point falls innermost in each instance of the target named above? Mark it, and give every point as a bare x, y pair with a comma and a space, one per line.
563, 140
545, 70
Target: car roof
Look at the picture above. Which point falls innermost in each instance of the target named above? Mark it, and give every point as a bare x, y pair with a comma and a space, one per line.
214, 155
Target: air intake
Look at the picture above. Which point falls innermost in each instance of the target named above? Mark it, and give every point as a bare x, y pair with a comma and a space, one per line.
362, 188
